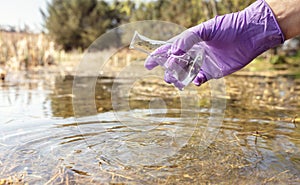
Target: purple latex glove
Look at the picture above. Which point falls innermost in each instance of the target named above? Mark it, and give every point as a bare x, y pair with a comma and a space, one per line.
231, 41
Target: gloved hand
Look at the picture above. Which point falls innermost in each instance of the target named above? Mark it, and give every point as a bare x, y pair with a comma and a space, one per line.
231, 41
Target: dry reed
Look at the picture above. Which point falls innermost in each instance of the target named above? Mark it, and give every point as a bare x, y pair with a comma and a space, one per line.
24, 50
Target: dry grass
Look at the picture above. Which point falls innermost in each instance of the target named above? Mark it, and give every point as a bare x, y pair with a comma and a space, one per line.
24, 50
27, 51
13, 180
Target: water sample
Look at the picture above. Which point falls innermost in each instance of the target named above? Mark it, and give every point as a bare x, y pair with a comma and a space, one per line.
183, 70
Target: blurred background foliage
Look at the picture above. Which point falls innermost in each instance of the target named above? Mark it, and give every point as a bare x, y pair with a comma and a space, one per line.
76, 24
72, 25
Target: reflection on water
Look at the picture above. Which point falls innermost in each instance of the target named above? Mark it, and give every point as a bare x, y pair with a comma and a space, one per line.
42, 142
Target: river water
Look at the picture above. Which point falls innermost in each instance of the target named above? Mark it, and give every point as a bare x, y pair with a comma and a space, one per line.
42, 140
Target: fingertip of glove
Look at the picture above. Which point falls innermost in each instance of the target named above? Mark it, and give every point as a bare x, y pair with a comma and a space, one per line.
200, 79
169, 78
149, 66
150, 63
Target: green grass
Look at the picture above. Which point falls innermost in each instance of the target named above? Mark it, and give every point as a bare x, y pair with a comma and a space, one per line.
274, 63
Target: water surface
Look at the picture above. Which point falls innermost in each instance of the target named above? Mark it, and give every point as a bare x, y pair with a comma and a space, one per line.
43, 142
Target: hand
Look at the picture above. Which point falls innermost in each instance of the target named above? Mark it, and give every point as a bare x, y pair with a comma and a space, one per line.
231, 42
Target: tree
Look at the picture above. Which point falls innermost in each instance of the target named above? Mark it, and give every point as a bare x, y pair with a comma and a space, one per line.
76, 23
185, 13
229, 6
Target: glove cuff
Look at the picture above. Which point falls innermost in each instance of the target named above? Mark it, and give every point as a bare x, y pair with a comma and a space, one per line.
273, 18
